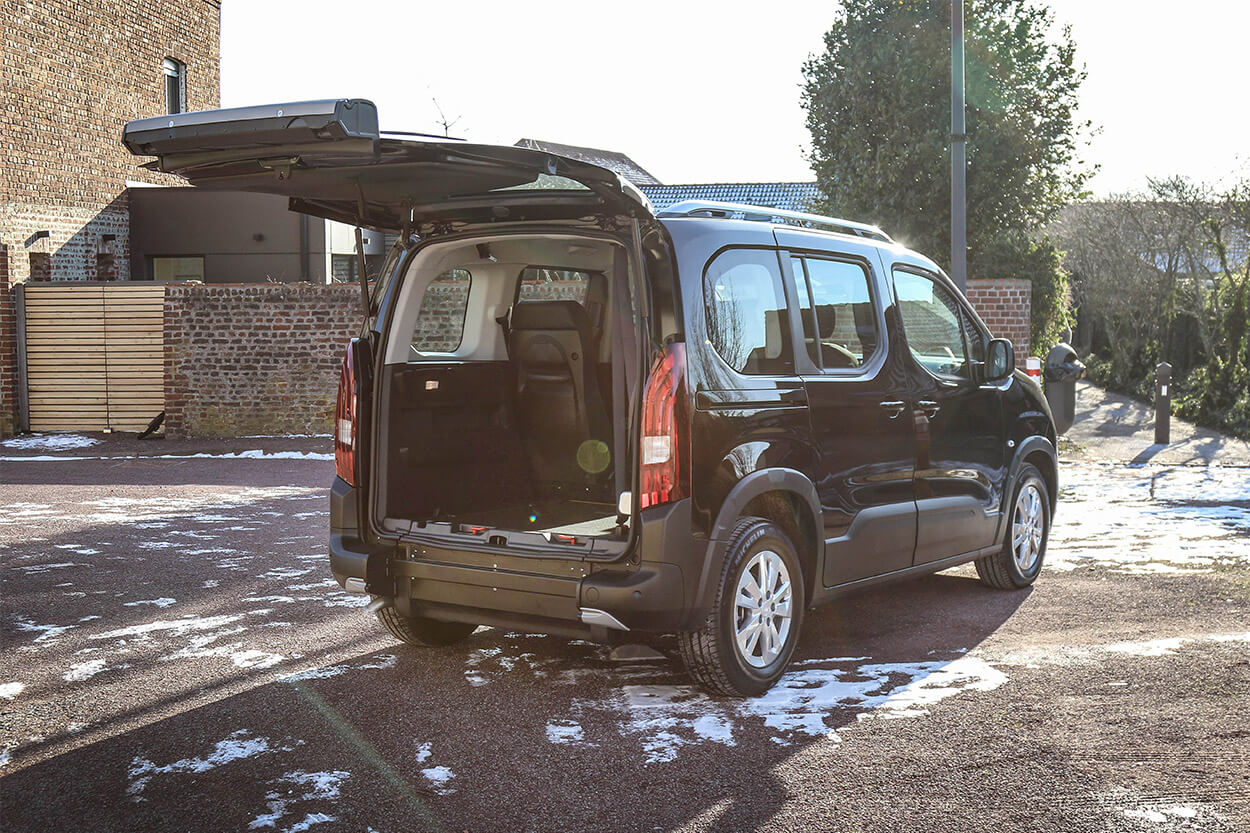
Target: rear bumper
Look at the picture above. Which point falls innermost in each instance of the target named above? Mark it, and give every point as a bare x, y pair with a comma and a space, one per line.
652, 591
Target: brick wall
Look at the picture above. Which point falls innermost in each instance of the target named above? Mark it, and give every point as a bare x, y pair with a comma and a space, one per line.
1005, 305
255, 358
74, 74
8, 349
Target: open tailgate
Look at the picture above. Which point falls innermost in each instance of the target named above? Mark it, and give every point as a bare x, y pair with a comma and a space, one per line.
331, 160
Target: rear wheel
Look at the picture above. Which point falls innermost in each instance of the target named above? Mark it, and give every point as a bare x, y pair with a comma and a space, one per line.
1018, 563
420, 630
750, 633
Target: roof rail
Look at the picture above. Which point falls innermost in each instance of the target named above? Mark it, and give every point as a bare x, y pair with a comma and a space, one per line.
759, 213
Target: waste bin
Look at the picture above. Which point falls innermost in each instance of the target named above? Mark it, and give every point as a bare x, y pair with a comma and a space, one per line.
1063, 368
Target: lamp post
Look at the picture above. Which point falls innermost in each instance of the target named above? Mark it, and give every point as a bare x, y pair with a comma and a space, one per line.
959, 197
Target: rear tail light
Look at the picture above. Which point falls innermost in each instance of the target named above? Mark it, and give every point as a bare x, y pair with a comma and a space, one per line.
346, 419
664, 448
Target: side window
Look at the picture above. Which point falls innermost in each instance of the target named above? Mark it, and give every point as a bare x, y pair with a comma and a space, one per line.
931, 321
746, 312
440, 322
845, 321
539, 283
977, 340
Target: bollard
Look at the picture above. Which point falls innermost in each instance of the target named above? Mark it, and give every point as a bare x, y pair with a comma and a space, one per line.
1163, 404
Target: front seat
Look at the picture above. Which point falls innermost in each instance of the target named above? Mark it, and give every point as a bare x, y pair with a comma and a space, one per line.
559, 406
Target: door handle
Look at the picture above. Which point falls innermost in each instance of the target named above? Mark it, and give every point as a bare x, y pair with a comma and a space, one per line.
894, 408
929, 407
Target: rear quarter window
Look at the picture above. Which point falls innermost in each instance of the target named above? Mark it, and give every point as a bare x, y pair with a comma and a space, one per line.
747, 319
440, 322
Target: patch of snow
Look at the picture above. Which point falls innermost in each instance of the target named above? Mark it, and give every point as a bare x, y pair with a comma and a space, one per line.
162, 602
131, 510
212, 582
6, 755
1151, 519
46, 632
439, 776
1052, 655
236, 747
43, 568
84, 670
285, 572
251, 454
309, 821
176, 627
559, 731
10, 690
50, 442
1148, 648
383, 661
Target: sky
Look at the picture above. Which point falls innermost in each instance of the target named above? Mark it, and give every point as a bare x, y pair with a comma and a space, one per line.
708, 92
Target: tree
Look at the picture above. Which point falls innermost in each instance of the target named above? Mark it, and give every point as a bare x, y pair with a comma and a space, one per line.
878, 107
1165, 276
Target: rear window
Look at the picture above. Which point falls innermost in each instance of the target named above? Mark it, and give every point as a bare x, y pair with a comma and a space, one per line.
747, 320
440, 322
541, 283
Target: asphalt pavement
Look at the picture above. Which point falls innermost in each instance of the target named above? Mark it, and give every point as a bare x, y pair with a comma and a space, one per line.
175, 656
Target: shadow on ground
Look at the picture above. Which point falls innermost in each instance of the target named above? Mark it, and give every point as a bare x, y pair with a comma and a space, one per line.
507, 731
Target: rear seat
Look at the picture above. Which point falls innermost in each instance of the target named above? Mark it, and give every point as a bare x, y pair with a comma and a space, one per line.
559, 405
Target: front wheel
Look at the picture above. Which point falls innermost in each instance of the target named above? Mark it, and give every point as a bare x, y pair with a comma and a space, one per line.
1018, 563
750, 633
423, 631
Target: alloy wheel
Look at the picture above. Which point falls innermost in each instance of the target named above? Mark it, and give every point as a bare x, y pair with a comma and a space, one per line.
1027, 528
763, 609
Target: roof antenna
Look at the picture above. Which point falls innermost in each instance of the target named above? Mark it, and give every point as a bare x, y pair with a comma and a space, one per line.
442, 119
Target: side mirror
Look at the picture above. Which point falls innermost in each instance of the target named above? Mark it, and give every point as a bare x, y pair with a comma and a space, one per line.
1000, 360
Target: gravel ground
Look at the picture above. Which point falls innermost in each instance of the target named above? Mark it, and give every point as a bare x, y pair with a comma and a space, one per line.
176, 657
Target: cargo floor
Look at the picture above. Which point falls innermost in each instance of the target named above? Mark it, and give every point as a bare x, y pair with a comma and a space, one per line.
570, 517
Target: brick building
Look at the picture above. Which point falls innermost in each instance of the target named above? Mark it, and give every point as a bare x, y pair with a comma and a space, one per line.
74, 73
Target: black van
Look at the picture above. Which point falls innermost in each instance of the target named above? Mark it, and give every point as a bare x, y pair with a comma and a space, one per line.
568, 413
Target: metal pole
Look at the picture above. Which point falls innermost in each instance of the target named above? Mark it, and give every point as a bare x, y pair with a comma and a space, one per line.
23, 377
1163, 404
959, 197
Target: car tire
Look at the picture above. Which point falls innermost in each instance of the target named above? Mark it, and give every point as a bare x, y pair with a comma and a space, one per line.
721, 655
1019, 561
422, 631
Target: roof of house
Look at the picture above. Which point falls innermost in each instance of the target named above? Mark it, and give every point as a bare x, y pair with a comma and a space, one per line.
789, 196
610, 159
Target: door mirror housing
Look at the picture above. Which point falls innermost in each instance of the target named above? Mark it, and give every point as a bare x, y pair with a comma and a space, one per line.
1000, 360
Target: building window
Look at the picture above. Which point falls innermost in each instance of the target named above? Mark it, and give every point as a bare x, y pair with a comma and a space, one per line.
175, 85
344, 268
178, 269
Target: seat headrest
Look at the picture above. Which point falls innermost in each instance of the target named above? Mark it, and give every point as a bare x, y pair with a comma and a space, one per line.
826, 319
549, 315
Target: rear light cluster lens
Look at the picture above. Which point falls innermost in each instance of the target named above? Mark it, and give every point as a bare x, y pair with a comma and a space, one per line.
346, 423
664, 450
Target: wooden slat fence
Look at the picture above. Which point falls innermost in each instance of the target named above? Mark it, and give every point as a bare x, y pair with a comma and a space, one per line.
94, 355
